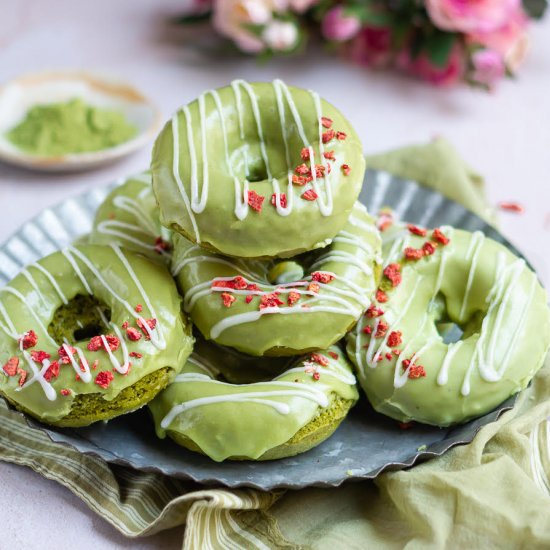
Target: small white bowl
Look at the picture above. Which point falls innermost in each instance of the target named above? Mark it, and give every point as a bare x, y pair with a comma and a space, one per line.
20, 95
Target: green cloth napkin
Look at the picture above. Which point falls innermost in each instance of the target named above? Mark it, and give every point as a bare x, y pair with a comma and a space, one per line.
493, 493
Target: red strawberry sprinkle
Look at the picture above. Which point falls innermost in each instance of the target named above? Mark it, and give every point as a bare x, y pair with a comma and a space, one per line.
320, 359
415, 230
10, 368
227, 299
309, 195
413, 254
374, 311
133, 334
104, 379
341, 136
326, 122
282, 199
346, 169
429, 248
313, 287
39, 356
29, 339
53, 371
394, 339
64, 356
393, 273
321, 277
334, 355
438, 236
255, 201
293, 297
328, 136
381, 296
270, 300
329, 155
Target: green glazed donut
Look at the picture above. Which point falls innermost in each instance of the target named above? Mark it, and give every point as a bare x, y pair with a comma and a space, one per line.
232, 171
82, 340
434, 279
129, 217
269, 307
266, 420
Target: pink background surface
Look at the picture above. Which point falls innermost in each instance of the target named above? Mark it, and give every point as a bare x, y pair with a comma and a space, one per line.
506, 136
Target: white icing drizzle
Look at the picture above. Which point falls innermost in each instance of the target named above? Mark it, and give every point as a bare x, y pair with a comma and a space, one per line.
498, 297
52, 281
39, 322
253, 316
203, 364
452, 349
267, 398
142, 231
176, 166
84, 373
472, 256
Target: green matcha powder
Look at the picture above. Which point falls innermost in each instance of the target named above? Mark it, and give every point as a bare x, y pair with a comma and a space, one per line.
71, 127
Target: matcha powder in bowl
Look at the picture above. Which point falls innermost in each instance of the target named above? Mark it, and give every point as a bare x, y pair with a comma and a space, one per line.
67, 121
70, 127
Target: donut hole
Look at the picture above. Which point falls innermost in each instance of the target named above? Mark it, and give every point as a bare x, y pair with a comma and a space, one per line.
257, 172
451, 330
79, 320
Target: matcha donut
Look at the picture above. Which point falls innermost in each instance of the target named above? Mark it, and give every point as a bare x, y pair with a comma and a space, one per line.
81, 340
257, 170
270, 307
129, 217
265, 420
448, 277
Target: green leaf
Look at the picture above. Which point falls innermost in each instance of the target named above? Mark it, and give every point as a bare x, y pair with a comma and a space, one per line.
439, 46
535, 8
192, 18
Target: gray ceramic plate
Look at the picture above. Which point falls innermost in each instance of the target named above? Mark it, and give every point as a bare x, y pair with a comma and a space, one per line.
365, 445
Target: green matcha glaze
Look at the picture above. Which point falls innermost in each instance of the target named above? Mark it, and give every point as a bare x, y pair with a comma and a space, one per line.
70, 127
233, 366
489, 293
129, 217
250, 137
119, 281
258, 420
261, 318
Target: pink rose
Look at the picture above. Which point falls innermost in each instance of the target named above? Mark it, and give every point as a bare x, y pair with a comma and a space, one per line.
339, 27
280, 35
230, 18
449, 75
470, 15
509, 40
488, 67
372, 47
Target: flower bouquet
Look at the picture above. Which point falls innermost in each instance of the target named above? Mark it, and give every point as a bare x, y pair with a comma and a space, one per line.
442, 41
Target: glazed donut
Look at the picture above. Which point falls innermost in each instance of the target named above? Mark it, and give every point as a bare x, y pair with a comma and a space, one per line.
438, 278
232, 171
129, 217
268, 307
81, 340
266, 420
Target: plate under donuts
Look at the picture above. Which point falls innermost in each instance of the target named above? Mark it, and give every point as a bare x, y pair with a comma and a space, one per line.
366, 443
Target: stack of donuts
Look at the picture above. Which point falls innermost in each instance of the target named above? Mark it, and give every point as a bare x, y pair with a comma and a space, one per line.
239, 287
